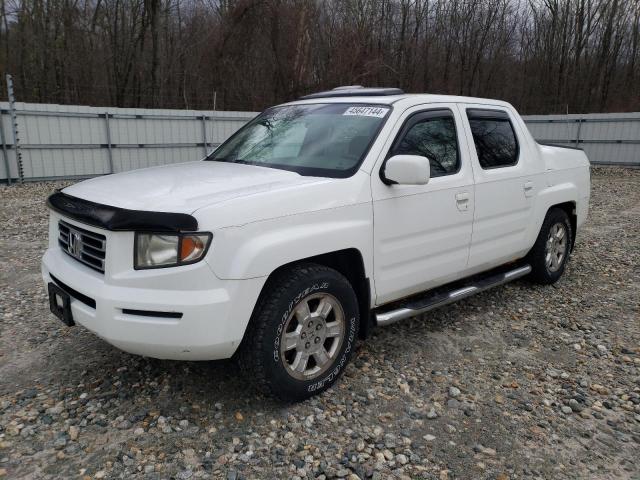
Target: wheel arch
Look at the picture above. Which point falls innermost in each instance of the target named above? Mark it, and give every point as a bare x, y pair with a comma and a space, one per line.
350, 263
565, 196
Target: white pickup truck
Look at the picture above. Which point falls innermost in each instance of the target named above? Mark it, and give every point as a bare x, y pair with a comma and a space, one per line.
316, 221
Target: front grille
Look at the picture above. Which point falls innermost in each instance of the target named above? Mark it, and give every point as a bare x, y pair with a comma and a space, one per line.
85, 246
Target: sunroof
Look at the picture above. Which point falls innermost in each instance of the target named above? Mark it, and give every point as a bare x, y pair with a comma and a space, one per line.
355, 91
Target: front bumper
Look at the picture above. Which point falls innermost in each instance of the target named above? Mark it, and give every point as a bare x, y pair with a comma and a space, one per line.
215, 312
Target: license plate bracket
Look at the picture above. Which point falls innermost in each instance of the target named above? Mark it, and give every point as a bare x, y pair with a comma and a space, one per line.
60, 304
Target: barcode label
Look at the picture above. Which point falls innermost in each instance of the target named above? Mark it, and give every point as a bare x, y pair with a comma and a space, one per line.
377, 112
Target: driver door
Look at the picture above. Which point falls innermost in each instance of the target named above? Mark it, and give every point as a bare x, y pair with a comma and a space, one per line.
422, 233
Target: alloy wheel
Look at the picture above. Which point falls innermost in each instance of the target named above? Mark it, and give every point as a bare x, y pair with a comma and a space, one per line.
556, 247
312, 336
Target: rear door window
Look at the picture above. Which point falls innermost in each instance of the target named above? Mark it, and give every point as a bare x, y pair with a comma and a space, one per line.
494, 138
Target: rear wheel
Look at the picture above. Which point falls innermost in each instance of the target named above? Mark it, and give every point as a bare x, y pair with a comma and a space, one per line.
302, 332
550, 253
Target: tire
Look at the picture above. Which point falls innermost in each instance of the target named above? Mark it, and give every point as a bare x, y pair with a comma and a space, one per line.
282, 334
550, 253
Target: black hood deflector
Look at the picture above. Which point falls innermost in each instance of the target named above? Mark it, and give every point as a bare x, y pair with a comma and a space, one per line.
120, 219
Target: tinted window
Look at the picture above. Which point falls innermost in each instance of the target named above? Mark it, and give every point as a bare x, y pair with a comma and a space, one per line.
494, 138
431, 135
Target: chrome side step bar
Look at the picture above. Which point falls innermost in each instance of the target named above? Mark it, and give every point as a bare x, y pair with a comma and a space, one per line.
440, 299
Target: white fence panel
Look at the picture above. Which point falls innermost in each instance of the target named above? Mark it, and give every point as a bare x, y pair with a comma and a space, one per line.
68, 141
607, 138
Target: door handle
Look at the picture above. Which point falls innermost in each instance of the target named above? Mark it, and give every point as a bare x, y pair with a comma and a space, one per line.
528, 188
462, 201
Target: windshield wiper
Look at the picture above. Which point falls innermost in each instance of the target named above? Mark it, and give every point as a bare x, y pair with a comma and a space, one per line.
231, 160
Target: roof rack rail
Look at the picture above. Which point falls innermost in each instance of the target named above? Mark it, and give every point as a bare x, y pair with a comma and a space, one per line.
355, 91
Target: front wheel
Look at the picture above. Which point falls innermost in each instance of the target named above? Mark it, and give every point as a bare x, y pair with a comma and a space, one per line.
550, 253
302, 332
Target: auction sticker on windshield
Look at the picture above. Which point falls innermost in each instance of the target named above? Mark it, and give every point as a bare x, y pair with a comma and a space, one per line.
377, 112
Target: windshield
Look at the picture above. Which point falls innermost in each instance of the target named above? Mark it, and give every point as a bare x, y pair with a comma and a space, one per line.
319, 139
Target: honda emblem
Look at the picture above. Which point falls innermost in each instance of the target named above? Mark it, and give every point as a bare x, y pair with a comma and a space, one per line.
75, 244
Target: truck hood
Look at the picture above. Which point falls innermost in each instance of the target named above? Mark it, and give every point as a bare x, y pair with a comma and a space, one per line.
185, 187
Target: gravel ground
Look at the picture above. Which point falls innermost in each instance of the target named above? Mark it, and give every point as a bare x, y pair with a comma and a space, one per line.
518, 382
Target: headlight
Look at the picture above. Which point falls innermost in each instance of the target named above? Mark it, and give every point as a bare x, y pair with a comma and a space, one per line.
155, 250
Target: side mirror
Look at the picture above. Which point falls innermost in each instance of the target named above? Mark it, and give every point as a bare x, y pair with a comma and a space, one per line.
407, 170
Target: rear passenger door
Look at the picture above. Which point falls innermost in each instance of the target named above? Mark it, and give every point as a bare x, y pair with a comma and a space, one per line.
505, 185
422, 233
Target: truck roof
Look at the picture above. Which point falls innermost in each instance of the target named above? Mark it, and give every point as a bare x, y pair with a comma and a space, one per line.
388, 96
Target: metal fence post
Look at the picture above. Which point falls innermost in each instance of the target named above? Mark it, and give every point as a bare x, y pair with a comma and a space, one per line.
108, 132
204, 135
14, 127
579, 120
5, 154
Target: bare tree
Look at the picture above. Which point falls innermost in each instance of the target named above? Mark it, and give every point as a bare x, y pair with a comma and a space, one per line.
544, 56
